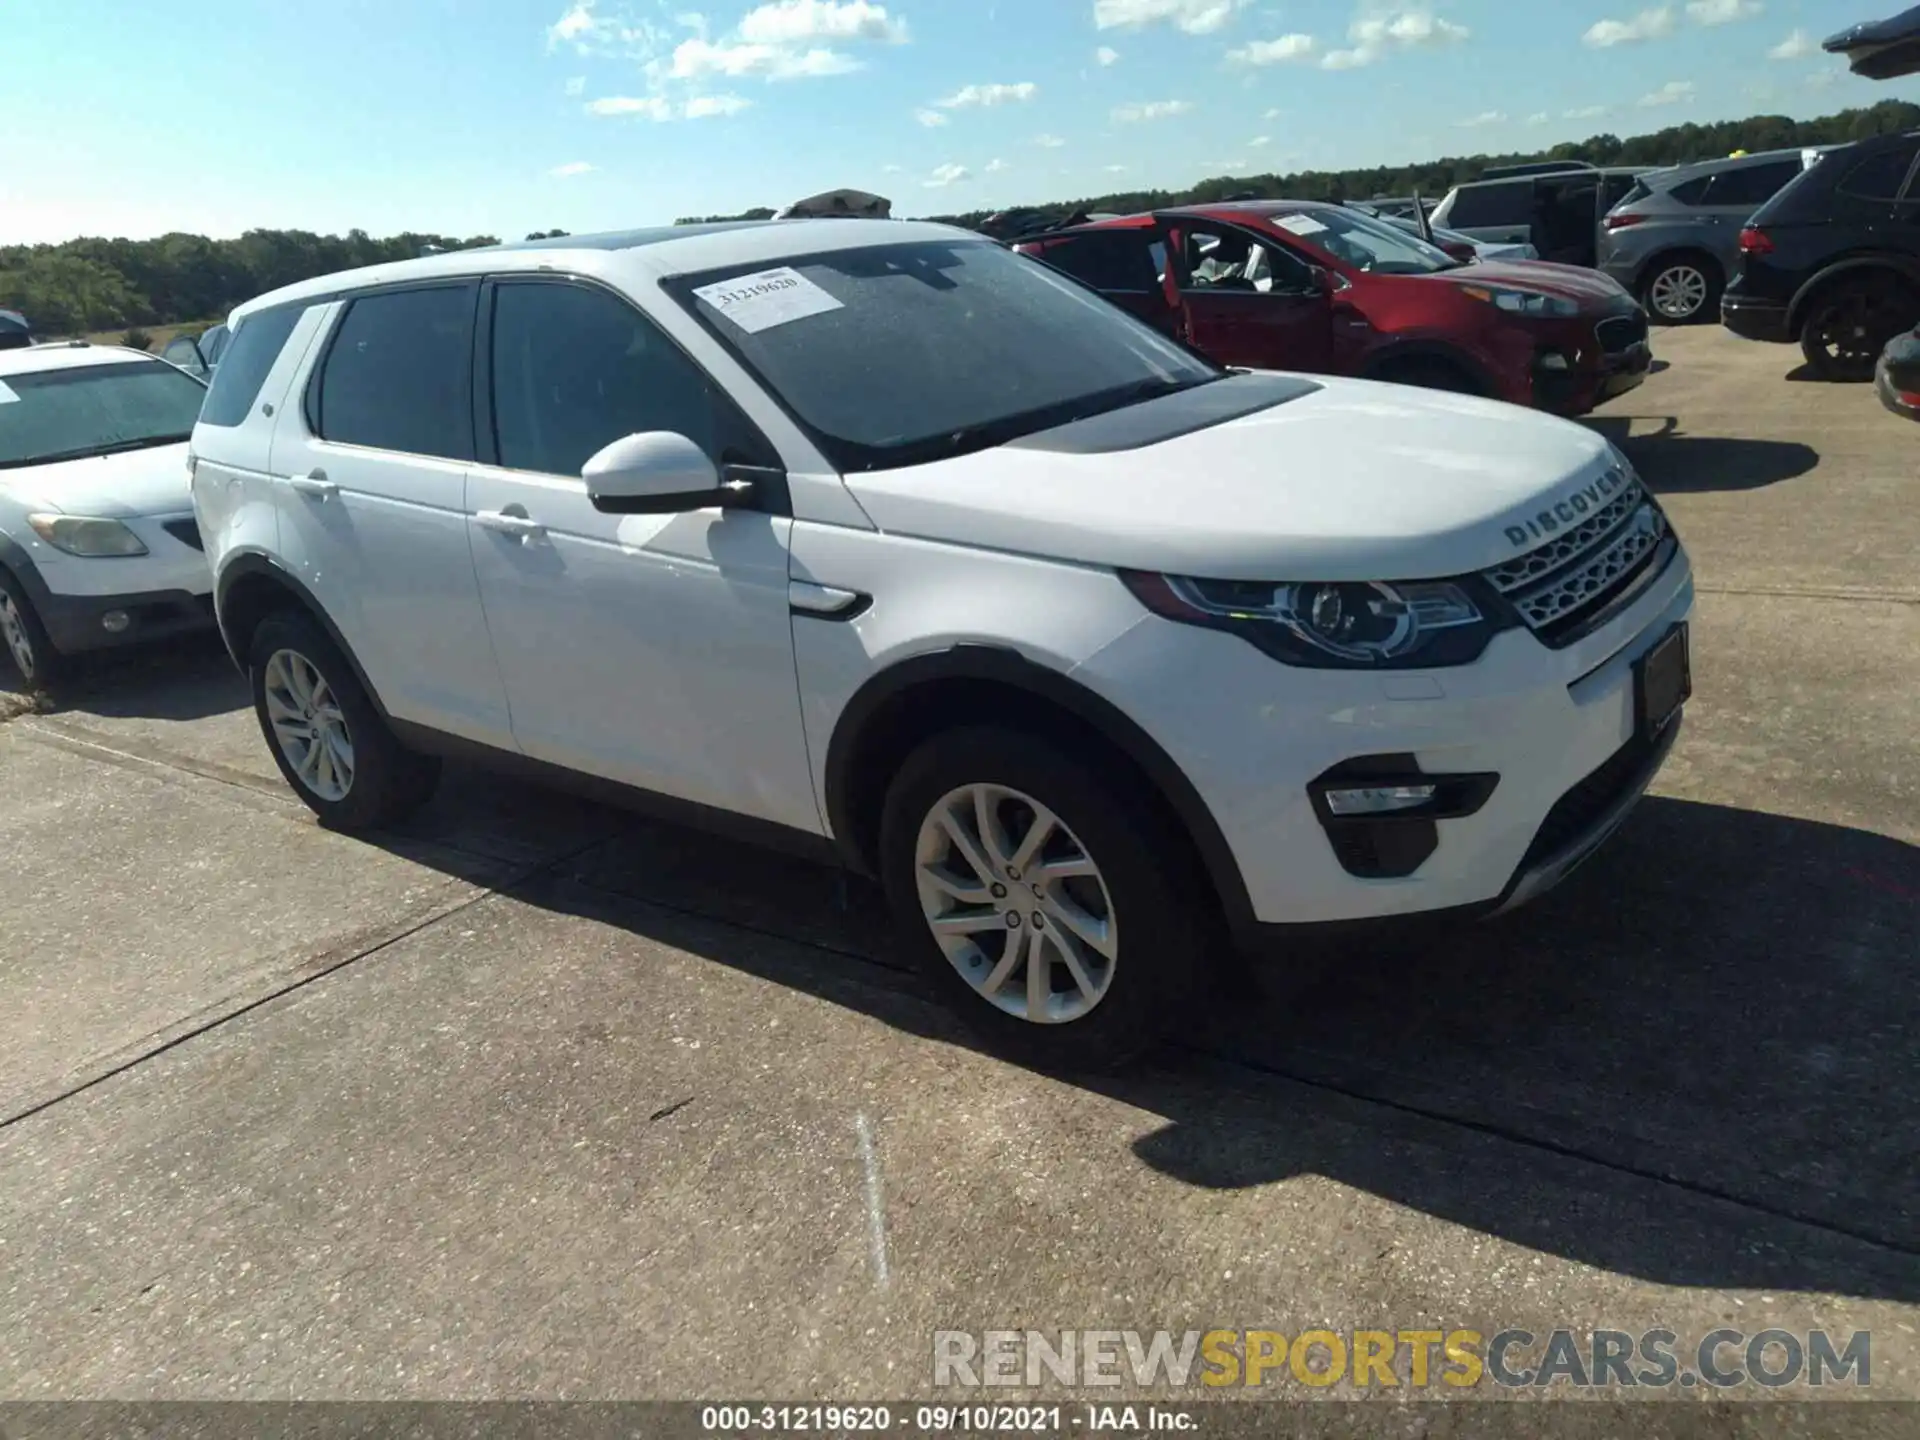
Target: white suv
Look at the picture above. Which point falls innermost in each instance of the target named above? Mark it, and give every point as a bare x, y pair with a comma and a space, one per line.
880, 539
98, 544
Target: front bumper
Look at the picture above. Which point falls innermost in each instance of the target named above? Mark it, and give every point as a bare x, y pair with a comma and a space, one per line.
78, 623
1753, 319
166, 592
1556, 726
1575, 373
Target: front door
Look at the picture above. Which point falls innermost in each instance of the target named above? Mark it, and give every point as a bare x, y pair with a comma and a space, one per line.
654, 650
370, 465
1248, 301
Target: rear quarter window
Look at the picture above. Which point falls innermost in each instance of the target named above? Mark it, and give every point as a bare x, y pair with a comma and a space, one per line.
1502, 203
1879, 177
245, 363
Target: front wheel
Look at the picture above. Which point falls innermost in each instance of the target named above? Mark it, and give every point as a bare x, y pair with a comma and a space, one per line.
1848, 325
325, 733
1026, 886
25, 637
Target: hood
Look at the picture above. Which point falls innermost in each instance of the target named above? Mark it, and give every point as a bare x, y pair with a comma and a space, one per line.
1352, 481
1590, 288
134, 482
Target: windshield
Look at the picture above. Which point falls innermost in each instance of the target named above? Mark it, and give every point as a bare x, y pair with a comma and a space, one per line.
71, 413
1365, 243
899, 354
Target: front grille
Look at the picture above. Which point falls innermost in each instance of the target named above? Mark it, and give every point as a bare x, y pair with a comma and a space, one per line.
185, 531
1583, 807
1557, 585
1621, 332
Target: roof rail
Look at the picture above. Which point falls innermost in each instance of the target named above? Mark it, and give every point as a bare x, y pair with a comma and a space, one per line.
1537, 167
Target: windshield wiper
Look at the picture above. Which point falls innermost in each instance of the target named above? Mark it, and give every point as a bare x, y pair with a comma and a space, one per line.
90, 452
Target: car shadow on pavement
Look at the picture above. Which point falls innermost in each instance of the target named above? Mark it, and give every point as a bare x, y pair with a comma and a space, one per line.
1694, 1064
1671, 462
189, 678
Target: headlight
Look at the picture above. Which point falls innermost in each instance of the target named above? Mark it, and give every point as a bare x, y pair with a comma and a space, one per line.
1329, 625
1525, 302
80, 535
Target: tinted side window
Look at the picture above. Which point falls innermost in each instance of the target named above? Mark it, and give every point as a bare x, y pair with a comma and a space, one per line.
1752, 186
575, 368
1879, 177
1510, 203
250, 355
1117, 260
396, 374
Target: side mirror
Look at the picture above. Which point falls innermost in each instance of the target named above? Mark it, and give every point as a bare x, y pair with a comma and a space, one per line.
657, 472
1324, 280
1459, 250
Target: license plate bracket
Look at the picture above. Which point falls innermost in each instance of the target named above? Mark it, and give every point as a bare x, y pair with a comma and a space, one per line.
1663, 681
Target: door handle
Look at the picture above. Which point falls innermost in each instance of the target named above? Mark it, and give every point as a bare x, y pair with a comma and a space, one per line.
314, 483
505, 524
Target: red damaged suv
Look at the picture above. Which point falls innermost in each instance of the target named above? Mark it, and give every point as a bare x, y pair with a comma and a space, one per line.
1292, 285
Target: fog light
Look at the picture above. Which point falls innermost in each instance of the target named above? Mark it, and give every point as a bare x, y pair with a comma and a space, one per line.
1379, 800
114, 621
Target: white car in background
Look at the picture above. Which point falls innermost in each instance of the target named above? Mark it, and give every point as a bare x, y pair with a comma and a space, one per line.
98, 545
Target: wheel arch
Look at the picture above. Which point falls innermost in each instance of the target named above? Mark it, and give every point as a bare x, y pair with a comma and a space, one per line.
251, 586
1400, 353
1905, 267
1667, 254
902, 706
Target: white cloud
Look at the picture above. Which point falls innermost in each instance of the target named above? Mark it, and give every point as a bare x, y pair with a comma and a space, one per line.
890, 169
994, 167
661, 107
1195, 17
1224, 167
1674, 92
699, 59
1797, 46
988, 95
1048, 142
1374, 35
1587, 112
1722, 12
1484, 118
948, 174
701, 107
798, 22
576, 85
1106, 55
1273, 114
1114, 169
585, 30
930, 118
1539, 117
575, 27
1151, 110
1260, 142
1272, 52
577, 167
1647, 25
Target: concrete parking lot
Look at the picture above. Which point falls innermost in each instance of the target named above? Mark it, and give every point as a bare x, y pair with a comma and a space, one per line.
535, 1099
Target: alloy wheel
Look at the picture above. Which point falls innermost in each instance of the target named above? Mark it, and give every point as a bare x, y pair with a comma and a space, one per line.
1847, 331
1017, 905
1678, 292
308, 725
19, 644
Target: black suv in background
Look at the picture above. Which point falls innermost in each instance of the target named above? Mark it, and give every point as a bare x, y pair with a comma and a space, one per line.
1833, 260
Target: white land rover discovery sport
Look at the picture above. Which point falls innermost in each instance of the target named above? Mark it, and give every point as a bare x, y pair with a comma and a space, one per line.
882, 539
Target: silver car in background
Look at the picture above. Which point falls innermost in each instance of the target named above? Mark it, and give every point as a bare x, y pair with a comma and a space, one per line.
1674, 239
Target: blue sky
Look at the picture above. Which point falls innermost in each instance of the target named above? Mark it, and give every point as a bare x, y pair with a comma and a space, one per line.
127, 117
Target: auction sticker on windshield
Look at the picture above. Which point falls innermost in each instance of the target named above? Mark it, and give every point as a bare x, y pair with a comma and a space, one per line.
1300, 224
768, 298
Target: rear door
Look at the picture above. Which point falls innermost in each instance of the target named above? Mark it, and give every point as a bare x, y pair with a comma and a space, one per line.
1500, 210
370, 461
1126, 265
1245, 299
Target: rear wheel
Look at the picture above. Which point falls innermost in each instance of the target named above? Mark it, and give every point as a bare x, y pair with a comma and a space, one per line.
1851, 322
25, 637
1027, 889
1682, 289
325, 733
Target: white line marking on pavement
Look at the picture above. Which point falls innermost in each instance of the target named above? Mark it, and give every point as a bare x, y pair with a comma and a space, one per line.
876, 1218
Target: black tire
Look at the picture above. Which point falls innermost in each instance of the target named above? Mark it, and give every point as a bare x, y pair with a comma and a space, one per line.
1851, 321
1162, 936
1431, 375
1707, 282
41, 665
388, 781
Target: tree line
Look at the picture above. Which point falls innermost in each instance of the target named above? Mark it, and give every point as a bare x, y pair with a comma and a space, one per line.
98, 284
